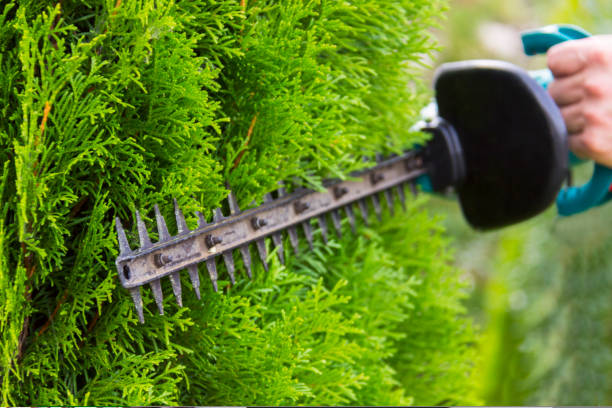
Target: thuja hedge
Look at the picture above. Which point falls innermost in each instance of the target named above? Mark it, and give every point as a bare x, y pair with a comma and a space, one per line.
109, 106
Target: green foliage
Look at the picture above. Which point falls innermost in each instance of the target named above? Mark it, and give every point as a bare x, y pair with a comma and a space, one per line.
112, 106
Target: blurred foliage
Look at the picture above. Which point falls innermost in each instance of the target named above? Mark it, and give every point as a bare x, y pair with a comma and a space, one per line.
540, 289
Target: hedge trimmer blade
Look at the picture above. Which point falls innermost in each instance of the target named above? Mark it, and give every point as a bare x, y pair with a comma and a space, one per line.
153, 261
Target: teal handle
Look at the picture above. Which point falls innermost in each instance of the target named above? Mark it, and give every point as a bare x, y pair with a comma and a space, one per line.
571, 200
540, 40
574, 200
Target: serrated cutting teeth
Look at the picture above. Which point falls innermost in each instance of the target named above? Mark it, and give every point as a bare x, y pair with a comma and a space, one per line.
124, 246
291, 231
414, 190
244, 249
135, 292
389, 200
377, 209
277, 238
308, 233
335, 215
164, 235
402, 196
195, 279
212, 272
227, 255
229, 264
293, 238
263, 253
246, 259
201, 220
350, 214
323, 226
175, 280
158, 295
363, 209
162, 228
143, 235
233, 203
150, 263
181, 224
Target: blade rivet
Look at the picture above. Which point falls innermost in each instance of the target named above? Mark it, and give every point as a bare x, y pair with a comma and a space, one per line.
376, 178
161, 260
258, 223
339, 192
300, 207
211, 241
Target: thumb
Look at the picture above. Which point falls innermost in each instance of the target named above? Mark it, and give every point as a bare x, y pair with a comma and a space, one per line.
568, 58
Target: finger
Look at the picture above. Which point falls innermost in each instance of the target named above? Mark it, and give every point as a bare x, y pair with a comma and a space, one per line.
578, 147
593, 143
567, 90
573, 115
567, 58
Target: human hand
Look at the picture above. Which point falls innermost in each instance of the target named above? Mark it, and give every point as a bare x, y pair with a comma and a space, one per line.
583, 91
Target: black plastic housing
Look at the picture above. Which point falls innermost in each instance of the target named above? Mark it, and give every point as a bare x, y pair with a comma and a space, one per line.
512, 136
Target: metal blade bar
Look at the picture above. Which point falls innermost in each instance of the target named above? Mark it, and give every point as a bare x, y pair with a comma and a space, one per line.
138, 267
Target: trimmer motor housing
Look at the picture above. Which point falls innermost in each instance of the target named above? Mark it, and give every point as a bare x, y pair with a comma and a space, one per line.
511, 137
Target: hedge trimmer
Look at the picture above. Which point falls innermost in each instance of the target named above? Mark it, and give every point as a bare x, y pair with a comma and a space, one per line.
498, 141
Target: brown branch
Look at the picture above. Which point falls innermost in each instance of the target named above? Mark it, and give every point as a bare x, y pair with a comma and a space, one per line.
90, 327
43, 123
52, 316
26, 322
117, 5
246, 144
77, 208
93, 322
30, 268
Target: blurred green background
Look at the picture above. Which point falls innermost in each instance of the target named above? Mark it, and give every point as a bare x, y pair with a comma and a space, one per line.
540, 291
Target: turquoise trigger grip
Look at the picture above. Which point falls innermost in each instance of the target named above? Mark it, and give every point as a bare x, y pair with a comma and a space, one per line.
540, 40
571, 200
